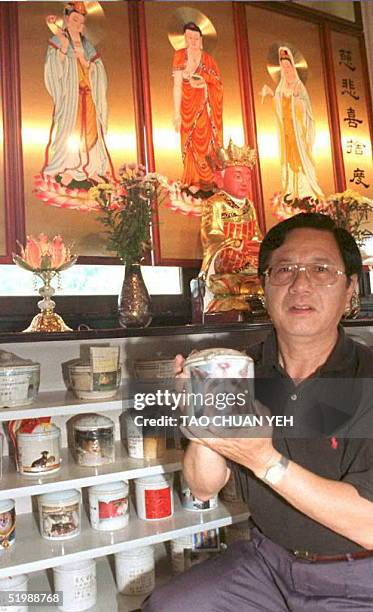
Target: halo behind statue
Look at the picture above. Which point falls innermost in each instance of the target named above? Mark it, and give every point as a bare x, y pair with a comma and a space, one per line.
94, 27
183, 15
273, 65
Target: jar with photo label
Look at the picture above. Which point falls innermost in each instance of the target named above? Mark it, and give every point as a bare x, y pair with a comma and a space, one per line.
7, 523
60, 514
154, 497
38, 451
108, 506
94, 440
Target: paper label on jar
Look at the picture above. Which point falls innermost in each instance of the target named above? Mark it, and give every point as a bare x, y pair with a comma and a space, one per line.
35, 456
14, 388
60, 521
139, 582
158, 503
112, 509
79, 590
104, 381
104, 359
7, 528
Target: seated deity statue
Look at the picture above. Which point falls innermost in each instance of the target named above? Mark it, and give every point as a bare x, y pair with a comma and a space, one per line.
231, 235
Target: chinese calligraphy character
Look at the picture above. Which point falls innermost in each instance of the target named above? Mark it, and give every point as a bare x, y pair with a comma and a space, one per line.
358, 177
351, 118
348, 87
345, 58
355, 146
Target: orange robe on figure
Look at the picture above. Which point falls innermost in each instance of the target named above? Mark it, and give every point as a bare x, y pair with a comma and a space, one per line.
201, 112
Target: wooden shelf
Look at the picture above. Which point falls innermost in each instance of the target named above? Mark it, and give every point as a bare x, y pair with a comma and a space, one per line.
32, 553
72, 476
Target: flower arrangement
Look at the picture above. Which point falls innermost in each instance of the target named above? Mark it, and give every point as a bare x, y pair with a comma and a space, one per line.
348, 209
126, 212
41, 255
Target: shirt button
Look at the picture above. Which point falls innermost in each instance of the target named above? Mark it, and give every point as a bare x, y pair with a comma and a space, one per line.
294, 397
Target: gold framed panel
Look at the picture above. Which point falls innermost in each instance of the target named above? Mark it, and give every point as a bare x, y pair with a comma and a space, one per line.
3, 244
353, 113
266, 35
109, 33
179, 231
342, 10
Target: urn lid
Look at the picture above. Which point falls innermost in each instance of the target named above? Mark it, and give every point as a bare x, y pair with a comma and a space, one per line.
60, 497
6, 505
46, 430
110, 487
13, 583
10, 360
197, 357
90, 422
86, 564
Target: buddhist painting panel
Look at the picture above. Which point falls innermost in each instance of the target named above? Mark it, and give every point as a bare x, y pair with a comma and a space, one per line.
195, 109
293, 132
78, 121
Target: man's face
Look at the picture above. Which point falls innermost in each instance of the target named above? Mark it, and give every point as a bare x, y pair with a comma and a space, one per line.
301, 309
193, 39
237, 181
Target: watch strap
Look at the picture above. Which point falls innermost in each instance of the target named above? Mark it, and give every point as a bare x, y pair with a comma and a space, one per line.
276, 471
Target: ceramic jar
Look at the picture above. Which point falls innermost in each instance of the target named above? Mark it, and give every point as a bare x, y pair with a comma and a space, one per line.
19, 380
60, 514
38, 452
108, 506
94, 440
7, 523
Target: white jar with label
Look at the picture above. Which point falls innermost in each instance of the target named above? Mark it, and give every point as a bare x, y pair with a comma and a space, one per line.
77, 582
135, 571
15, 584
94, 440
108, 506
19, 380
154, 497
59, 514
38, 452
7, 523
142, 443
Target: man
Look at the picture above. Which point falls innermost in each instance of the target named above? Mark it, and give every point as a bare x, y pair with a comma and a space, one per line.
311, 499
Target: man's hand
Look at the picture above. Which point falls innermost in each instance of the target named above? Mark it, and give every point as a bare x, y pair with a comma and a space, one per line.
256, 451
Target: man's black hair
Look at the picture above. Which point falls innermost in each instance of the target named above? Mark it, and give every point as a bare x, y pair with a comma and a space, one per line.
346, 243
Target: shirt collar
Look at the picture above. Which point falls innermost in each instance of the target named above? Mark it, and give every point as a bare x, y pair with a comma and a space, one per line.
339, 359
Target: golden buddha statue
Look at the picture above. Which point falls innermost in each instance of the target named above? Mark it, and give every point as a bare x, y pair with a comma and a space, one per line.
230, 235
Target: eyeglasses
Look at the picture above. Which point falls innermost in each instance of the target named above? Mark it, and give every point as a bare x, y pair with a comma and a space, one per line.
319, 274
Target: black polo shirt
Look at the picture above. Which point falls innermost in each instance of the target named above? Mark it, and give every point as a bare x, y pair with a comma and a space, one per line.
332, 437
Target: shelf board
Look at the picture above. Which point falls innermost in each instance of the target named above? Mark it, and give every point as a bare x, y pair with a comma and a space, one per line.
108, 597
72, 475
32, 553
59, 403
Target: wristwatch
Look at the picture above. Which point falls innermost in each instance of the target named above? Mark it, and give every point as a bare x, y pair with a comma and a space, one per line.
275, 472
